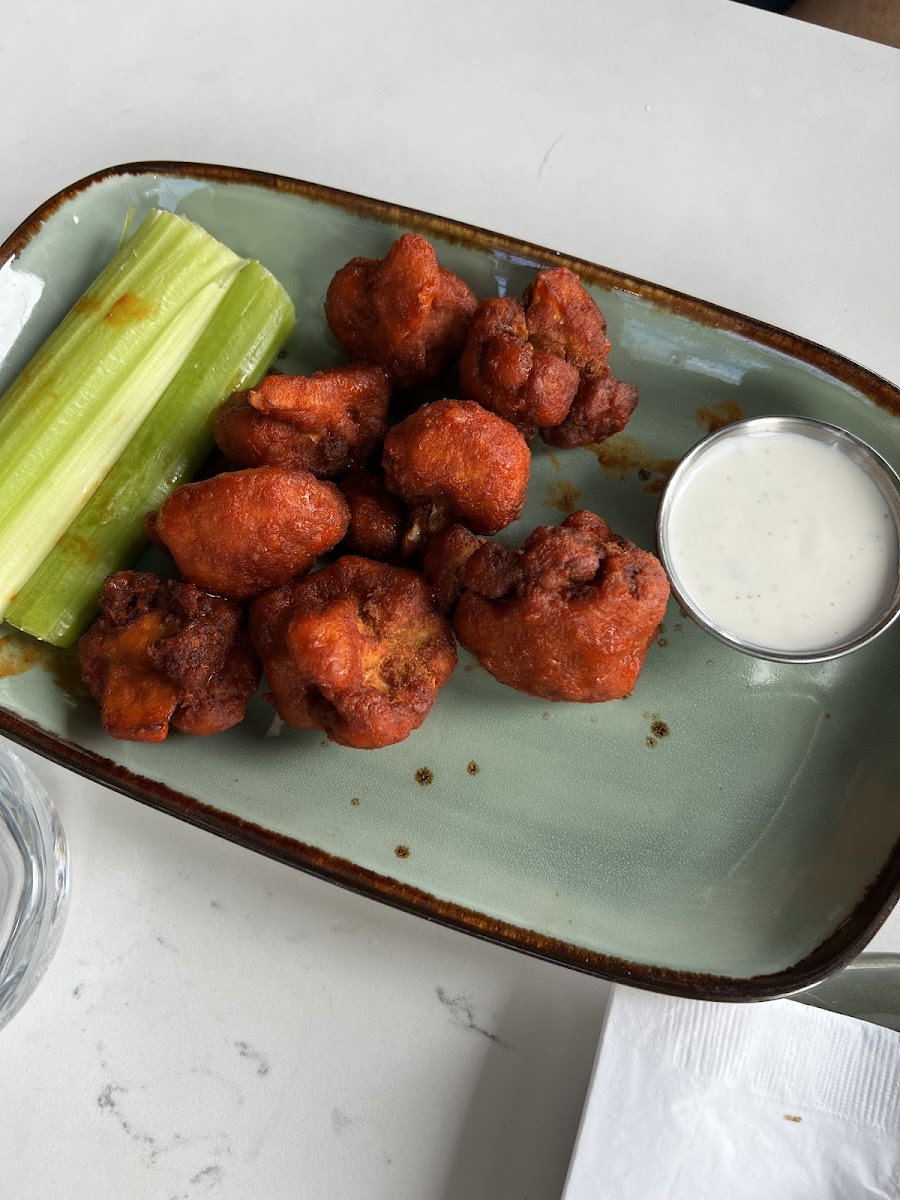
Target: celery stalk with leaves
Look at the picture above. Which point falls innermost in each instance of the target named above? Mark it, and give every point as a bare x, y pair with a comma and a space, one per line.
70, 415
247, 330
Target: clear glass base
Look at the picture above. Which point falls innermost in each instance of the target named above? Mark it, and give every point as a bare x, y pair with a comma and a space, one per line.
34, 883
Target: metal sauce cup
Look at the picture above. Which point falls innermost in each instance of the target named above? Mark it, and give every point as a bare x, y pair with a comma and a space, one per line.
878, 470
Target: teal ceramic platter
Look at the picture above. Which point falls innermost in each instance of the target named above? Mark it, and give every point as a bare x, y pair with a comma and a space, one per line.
731, 830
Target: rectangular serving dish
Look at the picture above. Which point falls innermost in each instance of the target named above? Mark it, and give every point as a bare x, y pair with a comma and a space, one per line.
730, 831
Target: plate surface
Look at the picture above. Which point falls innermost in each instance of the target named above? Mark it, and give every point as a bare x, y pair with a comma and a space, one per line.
731, 831
868, 989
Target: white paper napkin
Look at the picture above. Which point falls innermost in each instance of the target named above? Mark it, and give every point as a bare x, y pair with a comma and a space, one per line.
779, 1101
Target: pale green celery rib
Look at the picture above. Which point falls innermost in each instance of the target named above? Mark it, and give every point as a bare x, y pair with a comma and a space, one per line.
78, 370
46, 485
249, 327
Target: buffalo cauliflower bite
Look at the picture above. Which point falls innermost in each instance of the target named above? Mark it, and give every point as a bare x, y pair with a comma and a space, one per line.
164, 653
502, 370
243, 532
570, 616
601, 408
562, 319
542, 364
382, 526
378, 519
358, 649
404, 311
446, 553
326, 423
455, 457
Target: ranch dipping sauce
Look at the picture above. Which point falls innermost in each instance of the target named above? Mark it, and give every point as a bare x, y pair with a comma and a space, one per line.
781, 540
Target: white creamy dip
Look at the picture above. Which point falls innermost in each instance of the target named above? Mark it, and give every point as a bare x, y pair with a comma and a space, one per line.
782, 541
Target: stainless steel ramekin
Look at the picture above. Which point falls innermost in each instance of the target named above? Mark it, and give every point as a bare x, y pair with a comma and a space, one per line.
879, 471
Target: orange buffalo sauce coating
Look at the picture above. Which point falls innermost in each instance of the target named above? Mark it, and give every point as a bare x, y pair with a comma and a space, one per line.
358, 649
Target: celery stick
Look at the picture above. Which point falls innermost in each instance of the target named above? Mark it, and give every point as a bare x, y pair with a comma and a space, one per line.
243, 337
116, 348
49, 506
72, 411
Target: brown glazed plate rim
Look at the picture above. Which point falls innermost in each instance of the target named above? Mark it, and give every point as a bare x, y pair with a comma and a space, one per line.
838, 949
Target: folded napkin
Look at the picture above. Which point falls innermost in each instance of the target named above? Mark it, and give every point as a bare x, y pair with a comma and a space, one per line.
692, 1100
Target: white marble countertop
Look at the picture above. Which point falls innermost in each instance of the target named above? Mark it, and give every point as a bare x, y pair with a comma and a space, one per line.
216, 1023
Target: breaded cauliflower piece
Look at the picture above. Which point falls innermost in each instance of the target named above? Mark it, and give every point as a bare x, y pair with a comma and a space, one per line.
458, 458
358, 649
570, 616
501, 369
326, 423
379, 520
403, 312
164, 653
243, 532
543, 364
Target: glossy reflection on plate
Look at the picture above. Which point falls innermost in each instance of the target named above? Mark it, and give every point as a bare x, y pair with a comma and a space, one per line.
781, 536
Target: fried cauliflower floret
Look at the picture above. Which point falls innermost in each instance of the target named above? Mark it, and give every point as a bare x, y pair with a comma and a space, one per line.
358, 649
458, 458
404, 311
164, 653
243, 532
502, 370
563, 320
568, 617
326, 423
446, 553
378, 519
543, 363
601, 408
